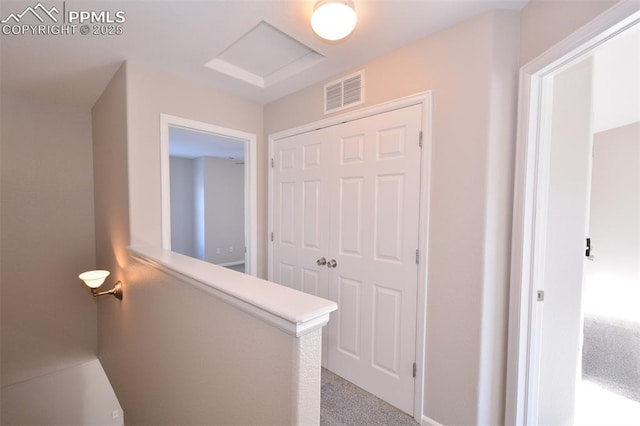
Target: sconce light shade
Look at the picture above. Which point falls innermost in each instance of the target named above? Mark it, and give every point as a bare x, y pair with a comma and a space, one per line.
334, 19
94, 279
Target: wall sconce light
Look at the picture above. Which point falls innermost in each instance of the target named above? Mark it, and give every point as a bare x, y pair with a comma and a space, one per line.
333, 19
94, 279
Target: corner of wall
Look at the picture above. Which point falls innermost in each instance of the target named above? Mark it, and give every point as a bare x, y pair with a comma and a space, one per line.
500, 158
110, 165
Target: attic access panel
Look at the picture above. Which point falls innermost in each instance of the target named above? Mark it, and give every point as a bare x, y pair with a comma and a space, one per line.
264, 56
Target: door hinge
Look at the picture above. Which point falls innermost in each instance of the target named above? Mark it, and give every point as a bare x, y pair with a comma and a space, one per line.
272, 163
420, 139
271, 236
540, 296
415, 369
417, 256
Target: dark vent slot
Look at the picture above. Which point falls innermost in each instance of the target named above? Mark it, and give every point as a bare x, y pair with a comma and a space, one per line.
345, 93
334, 96
352, 90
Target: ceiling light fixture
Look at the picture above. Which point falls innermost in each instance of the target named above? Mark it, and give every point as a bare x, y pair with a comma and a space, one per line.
333, 19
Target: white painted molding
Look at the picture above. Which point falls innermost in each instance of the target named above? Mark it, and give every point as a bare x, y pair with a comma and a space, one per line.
529, 192
419, 98
292, 311
236, 263
251, 181
423, 242
426, 421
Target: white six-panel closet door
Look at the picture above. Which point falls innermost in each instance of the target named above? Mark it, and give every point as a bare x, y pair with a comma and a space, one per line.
349, 195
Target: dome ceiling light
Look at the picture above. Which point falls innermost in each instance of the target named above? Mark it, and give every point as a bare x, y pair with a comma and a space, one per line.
333, 19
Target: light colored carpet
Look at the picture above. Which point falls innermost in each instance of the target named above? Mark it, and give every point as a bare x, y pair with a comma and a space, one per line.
611, 354
343, 403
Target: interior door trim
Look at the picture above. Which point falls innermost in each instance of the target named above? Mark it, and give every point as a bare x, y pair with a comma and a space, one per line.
424, 99
529, 192
250, 181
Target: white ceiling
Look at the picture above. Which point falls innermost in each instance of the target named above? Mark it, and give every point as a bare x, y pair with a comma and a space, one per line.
180, 37
616, 81
189, 143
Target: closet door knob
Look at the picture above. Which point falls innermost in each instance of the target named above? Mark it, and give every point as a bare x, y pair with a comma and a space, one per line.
321, 262
332, 263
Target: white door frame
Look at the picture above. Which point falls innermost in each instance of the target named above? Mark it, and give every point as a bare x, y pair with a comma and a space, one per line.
531, 193
250, 183
423, 99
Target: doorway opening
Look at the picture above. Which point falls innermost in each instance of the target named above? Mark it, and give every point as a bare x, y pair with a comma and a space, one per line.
608, 383
574, 349
208, 188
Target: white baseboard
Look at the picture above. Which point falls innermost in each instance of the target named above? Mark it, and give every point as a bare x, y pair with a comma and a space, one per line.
239, 262
426, 421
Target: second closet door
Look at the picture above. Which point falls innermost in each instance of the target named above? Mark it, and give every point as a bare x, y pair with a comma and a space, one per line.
374, 237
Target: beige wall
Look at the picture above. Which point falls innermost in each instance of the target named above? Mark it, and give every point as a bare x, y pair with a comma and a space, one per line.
614, 225
183, 205
498, 218
48, 316
151, 93
175, 354
472, 70
546, 22
211, 219
110, 166
223, 200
